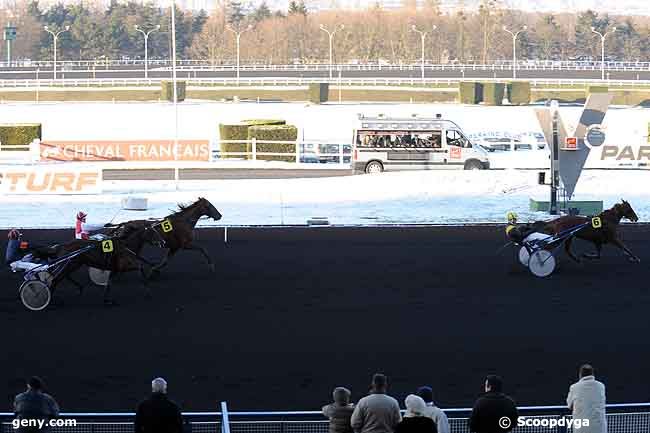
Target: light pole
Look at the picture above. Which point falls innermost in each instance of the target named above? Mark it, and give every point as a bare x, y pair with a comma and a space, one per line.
238, 34
55, 35
146, 50
331, 37
602, 49
514, 48
423, 36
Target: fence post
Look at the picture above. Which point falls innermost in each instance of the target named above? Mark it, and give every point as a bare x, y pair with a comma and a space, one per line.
297, 150
225, 423
254, 148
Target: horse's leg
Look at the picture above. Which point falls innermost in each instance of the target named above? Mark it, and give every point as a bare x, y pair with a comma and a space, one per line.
596, 255
631, 257
76, 284
205, 254
108, 300
162, 264
569, 252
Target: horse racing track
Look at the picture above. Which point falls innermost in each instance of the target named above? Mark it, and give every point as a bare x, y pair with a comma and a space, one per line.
292, 313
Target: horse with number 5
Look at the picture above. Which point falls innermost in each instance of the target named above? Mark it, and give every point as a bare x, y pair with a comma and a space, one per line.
173, 233
603, 230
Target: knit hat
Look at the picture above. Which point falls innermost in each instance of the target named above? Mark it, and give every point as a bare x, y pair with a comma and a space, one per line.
415, 406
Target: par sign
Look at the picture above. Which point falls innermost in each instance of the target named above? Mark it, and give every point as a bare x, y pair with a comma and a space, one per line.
42, 180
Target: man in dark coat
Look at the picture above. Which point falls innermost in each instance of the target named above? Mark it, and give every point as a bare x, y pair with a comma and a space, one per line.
493, 412
34, 405
158, 414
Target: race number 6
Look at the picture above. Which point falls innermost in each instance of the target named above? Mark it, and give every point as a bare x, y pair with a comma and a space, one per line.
167, 226
596, 223
107, 246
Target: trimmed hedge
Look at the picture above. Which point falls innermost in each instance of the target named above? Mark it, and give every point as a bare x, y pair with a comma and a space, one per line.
493, 93
254, 122
167, 90
234, 131
19, 135
319, 93
470, 93
288, 133
519, 92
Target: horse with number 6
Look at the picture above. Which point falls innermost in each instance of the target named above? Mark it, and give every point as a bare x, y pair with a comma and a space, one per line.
174, 232
602, 230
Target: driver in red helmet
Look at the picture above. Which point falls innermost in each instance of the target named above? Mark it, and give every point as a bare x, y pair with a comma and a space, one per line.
79, 231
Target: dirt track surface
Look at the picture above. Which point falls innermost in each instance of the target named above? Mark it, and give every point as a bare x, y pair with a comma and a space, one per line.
292, 313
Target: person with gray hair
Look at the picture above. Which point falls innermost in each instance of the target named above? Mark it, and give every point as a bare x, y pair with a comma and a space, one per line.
415, 419
158, 414
340, 411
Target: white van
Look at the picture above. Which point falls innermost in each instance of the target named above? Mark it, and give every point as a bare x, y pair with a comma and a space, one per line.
384, 144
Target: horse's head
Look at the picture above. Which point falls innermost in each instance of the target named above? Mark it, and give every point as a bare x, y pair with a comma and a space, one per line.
625, 210
208, 209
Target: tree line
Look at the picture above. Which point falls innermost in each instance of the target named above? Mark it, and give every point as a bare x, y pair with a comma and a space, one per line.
294, 35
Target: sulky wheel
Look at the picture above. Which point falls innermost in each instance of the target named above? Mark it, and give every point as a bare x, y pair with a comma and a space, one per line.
523, 256
542, 263
35, 295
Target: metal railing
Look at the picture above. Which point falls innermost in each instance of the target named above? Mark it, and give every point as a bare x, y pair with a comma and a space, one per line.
227, 64
301, 152
622, 418
296, 81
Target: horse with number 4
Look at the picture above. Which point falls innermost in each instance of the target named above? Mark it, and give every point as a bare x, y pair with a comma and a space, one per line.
173, 233
104, 257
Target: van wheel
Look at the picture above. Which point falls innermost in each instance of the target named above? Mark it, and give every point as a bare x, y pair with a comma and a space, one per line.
374, 167
473, 165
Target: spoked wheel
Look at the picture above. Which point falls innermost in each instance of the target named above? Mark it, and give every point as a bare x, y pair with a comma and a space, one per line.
542, 263
35, 295
524, 256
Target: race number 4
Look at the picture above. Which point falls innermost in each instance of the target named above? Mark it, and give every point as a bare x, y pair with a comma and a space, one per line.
167, 226
596, 222
107, 246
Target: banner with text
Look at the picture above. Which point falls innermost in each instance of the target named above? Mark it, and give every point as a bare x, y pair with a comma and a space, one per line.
45, 180
126, 150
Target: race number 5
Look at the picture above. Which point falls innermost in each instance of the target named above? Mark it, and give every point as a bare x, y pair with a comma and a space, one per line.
107, 246
167, 226
596, 223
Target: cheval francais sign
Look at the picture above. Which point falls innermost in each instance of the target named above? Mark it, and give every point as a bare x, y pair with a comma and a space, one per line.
44, 180
129, 150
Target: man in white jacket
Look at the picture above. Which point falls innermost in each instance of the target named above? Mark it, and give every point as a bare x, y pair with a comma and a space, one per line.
586, 400
432, 411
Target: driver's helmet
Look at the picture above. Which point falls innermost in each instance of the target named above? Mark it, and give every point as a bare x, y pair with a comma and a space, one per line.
511, 217
14, 235
81, 216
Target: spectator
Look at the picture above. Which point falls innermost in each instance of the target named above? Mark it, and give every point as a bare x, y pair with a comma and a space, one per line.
377, 412
586, 400
35, 404
493, 412
415, 419
432, 411
340, 411
158, 414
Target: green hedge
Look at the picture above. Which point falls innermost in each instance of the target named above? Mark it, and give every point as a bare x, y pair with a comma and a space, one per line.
234, 131
254, 122
597, 89
287, 133
17, 136
470, 93
319, 93
493, 93
519, 92
167, 90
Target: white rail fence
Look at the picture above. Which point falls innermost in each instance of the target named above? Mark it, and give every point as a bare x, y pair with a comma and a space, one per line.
99, 83
226, 65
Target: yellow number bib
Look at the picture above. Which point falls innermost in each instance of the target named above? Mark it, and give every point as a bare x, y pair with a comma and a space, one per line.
107, 246
167, 226
596, 223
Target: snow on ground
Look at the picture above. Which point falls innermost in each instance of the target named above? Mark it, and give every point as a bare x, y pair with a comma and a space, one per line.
432, 197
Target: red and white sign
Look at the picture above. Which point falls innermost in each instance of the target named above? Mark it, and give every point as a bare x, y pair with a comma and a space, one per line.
130, 150
43, 180
455, 152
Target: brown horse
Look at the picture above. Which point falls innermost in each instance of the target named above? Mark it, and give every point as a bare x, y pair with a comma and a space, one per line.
116, 255
174, 232
607, 233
